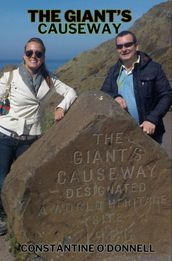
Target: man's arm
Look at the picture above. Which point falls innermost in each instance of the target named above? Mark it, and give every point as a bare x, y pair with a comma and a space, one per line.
109, 86
163, 91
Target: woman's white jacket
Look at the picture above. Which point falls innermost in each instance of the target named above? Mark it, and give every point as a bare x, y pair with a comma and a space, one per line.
25, 107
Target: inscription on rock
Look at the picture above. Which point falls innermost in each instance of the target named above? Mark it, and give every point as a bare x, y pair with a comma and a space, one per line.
101, 181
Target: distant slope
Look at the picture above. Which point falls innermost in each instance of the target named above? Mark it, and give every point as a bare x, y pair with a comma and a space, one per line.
153, 30
88, 70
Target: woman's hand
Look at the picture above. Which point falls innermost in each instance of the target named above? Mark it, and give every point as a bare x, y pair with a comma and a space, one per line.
58, 114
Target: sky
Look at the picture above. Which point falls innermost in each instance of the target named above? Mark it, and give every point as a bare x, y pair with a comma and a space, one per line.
16, 26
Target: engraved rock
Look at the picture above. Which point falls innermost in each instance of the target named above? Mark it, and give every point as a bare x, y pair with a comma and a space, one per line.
94, 187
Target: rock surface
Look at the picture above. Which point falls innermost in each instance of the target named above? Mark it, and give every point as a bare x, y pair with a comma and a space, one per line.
94, 180
5, 254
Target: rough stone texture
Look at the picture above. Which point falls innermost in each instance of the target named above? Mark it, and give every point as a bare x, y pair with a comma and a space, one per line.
167, 138
5, 254
93, 180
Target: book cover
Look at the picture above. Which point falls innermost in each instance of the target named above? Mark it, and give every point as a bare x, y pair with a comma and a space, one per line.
102, 201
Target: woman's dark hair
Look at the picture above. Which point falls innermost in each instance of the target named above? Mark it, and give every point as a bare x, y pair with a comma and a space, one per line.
44, 71
37, 40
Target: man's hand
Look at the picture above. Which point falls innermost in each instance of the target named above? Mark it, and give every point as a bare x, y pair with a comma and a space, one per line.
121, 102
148, 127
58, 114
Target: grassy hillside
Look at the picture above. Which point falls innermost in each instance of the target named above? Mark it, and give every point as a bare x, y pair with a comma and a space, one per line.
88, 70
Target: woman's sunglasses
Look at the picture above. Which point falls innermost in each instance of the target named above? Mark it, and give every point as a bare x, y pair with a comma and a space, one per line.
38, 54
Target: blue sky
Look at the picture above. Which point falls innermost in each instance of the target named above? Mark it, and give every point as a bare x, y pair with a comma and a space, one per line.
16, 27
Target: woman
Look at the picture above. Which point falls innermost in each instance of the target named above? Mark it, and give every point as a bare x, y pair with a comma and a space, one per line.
30, 83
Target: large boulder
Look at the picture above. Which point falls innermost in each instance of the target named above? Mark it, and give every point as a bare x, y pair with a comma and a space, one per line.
94, 187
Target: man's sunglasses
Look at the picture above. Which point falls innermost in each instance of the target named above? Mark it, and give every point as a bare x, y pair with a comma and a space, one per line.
38, 54
126, 45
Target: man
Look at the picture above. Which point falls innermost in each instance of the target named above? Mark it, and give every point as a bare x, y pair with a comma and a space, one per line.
139, 85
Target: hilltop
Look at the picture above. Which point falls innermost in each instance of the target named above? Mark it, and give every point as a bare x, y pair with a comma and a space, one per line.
88, 70
153, 30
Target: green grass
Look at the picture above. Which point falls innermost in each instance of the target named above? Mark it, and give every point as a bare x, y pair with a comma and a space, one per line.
48, 121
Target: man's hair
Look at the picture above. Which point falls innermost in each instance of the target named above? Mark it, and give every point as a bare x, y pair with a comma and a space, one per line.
123, 33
